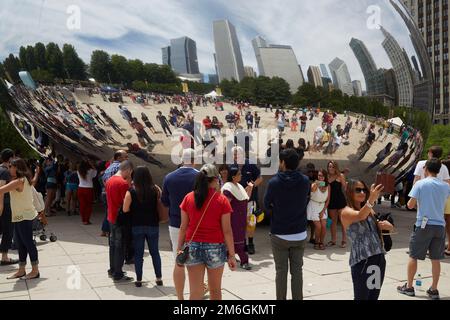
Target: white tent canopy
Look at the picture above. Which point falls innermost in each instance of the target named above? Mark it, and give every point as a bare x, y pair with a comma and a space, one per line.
396, 121
212, 94
9, 85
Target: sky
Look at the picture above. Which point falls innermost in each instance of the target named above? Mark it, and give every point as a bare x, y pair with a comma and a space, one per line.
318, 30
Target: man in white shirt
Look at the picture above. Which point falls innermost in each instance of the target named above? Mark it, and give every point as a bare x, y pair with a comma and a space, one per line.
436, 153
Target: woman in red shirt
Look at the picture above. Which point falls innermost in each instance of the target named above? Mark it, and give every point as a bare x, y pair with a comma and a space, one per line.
209, 237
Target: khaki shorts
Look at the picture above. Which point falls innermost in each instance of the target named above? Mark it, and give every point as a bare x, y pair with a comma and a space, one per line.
447, 207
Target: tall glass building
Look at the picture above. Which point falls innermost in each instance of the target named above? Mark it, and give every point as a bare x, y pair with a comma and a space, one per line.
181, 55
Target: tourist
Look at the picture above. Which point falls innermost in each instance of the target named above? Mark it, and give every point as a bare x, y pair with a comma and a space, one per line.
337, 202
287, 197
251, 173
383, 154
71, 184
281, 123
86, 173
141, 201
317, 208
434, 152
50, 170
250, 120
318, 136
5, 209
230, 120
257, 120
116, 188
224, 172
294, 122
395, 158
365, 234
164, 123
22, 215
365, 147
238, 197
148, 123
447, 214
176, 186
206, 226
303, 120
429, 196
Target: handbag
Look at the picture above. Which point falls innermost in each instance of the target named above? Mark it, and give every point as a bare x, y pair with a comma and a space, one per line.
123, 219
184, 255
38, 200
387, 240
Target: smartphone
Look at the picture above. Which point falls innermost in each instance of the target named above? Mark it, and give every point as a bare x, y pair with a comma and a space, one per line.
321, 184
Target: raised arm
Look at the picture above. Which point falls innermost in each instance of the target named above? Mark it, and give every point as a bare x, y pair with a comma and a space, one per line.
13, 185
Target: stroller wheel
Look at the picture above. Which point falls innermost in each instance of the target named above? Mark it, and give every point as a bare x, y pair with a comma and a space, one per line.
43, 237
53, 238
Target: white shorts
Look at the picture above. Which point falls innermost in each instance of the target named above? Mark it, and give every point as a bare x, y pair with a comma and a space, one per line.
174, 233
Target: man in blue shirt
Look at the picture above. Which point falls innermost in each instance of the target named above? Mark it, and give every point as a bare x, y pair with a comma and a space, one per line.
176, 186
429, 196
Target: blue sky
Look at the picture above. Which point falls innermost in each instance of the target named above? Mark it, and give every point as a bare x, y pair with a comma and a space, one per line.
318, 30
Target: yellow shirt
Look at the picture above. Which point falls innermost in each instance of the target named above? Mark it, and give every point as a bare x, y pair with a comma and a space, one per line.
22, 204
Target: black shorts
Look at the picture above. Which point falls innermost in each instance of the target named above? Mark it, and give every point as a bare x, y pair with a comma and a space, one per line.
431, 239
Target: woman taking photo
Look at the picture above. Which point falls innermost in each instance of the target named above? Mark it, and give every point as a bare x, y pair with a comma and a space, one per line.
238, 197
86, 173
23, 214
141, 202
317, 208
206, 227
365, 234
338, 202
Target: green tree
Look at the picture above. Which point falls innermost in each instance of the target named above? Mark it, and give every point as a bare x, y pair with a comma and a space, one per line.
42, 76
12, 68
55, 61
39, 54
2, 71
23, 58
281, 91
439, 136
30, 58
137, 71
100, 66
121, 68
73, 64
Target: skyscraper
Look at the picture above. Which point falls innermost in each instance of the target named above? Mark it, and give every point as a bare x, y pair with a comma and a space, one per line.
314, 76
181, 55
432, 22
324, 70
373, 76
341, 76
166, 56
228, 52
402, 68
278, 61
357, 88
259, 42
249, 72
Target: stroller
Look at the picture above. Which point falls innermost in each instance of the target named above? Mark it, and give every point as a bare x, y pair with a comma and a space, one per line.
39, 229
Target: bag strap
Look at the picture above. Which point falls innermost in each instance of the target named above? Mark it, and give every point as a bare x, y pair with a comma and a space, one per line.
201, 219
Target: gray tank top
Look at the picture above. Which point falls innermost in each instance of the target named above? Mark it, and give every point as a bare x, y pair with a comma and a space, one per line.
365, 241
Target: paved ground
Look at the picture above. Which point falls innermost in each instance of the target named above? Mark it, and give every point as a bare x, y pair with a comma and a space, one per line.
326, 274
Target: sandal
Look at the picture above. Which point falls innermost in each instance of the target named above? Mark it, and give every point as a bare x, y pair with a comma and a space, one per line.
344, 244
331, 244
322, 246
16, 277
317, 246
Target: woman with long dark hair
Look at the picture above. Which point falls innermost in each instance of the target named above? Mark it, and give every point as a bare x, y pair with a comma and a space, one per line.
337, 202
206, 226
317, 208
365, 234
141, 201
86, 174
238, 197
23, 214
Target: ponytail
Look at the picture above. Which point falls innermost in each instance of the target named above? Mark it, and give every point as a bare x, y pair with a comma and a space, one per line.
201, 189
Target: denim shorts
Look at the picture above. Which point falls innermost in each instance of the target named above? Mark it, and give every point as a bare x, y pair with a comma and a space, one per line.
212, 255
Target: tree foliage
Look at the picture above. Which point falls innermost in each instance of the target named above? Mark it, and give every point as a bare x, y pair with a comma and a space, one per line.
439, 136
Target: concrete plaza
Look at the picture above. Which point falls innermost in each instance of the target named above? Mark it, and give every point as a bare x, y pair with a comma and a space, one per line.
74, 268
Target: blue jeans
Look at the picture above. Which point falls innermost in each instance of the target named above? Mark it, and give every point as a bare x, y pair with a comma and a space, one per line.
24, 237
116, 251
151, 235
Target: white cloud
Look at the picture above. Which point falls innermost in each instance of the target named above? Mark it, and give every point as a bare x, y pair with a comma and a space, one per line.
318, 30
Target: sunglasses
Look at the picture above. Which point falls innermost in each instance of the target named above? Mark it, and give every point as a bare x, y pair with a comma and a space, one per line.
361, 190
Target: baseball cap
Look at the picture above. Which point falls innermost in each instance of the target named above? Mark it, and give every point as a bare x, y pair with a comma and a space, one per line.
210, 171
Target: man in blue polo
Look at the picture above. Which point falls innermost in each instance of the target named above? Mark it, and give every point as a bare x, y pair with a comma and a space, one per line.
429, 196
176, 186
